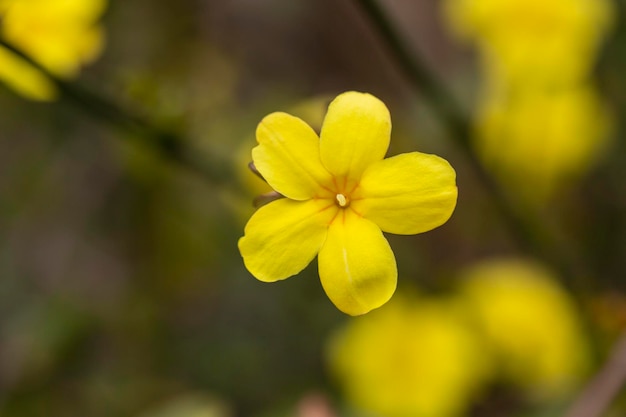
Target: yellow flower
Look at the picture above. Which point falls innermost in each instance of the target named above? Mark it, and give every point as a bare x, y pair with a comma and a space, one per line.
531, 324
340, 196
552, 41
415, 357
61, 35
539, 141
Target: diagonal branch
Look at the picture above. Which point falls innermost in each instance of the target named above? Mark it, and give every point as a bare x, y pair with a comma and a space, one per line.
168, 144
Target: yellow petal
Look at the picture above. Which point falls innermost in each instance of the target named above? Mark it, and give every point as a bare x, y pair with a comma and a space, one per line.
24, 78
65, 52
283, 237
85, 10
356, 265
288, 157
59, 34
4, 5
355, 133
69, 11
408, 193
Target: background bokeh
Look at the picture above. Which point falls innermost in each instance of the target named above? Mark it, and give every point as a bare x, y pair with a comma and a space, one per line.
122, 291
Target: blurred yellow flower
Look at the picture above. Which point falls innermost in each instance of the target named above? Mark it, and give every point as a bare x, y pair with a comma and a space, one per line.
552, 41
61, 35
539, 140
531, 324
340, 196
413, 358
541, 125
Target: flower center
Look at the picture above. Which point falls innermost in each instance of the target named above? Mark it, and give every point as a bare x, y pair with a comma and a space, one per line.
342, 200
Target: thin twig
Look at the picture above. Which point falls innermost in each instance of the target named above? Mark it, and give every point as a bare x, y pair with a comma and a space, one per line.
530, 235
600, 392
169, 144
440, 99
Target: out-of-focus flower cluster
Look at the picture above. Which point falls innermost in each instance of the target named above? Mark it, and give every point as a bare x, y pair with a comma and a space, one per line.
61, 35
508, 322
540, 123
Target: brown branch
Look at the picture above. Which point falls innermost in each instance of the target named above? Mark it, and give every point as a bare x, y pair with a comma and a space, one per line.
598, 395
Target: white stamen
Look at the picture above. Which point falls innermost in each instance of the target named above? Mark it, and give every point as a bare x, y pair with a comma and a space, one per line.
342, 200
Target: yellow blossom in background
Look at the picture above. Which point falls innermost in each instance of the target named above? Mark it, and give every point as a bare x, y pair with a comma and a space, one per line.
341, 194
531, 41
530, 323
61, 35
540, 140
416, 357
24, 78
540, 125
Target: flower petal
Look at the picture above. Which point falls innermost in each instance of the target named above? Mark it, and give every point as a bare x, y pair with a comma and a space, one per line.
356, 265
355, 133
24, 78
408, 193
283, 237
288, 157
